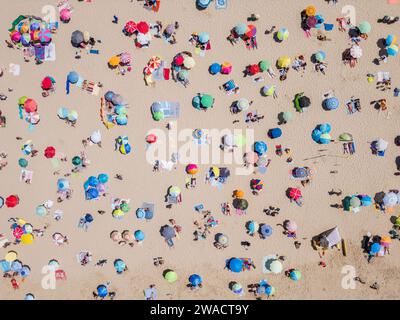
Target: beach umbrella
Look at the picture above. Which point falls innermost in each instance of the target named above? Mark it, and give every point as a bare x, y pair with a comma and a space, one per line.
241, 204
195, 280
243, 104
320, 56
122, 120
196, 102
268, 90
295, 193
23, 163
189, 62
356, 51
275, 133
183, 75
251, 157
143, 39
47, 83
114, 61
27, 227
238, 194
290, 226
237, 288
121, 110
375, 248
260, 147
203, 4
295, 275
254, 69
345, 137
192, 168
128, 236
11, 256
33, 118
109, 95
115, 236
311, 11
45, 36
18, 232
157, 116
169, 30
226, 68
95, 137
215, 68
16, 266
287, 116
41, 211
63, 113
119, 266
73, 77
241, 29
223, 239
355, 202
65, 15
62, 184
139, 235
215, 172
207, 101
117, 213
282, 34
381, 145
50, 152
284, 62
251, 31
266, 230
228, 140
86, 36
275, 266
392, 50
117, 99
1, 202
171, 276
103, 178
130, 27
12, 201
386, 241
77, 38
264, 65
126, 58
252, 227
390, 199
204, 37
167, 232
35, 35
331, 103
25, 271
178, 60
156, 107
143, 27
325, 138
366, 200
325, 127
174, 191
311, 21
92, 193
390, 39
29, 296
102, 291
22, 100
72, 116
140, 213
364, 27
15, 36
30, 105
26, 39
236, 265
27, 238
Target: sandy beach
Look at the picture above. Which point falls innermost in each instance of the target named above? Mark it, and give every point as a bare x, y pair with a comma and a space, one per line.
361, 173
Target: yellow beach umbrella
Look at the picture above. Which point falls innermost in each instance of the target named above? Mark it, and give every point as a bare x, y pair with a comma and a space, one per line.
114, 61
27, 238
284, 62
311, 11
215, 171
11, 256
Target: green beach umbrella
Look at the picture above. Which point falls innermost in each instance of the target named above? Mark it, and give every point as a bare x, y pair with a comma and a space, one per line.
364, 27
76, 161
355, 202
345, 137
207, 101
21, 101
23, 163
264, 65
171, 276
125, 207
159, 115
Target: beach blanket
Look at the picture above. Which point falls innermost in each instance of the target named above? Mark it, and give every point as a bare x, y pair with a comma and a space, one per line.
88, 86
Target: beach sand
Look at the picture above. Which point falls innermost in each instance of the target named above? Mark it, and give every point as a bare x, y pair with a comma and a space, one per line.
361, 173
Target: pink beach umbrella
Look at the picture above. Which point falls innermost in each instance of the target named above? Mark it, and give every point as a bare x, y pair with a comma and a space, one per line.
65, 15
45, 36
251, 157
15, 36
130, 27
126, 58
290, 226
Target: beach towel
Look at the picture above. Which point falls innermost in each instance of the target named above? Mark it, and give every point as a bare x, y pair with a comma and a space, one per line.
328, 26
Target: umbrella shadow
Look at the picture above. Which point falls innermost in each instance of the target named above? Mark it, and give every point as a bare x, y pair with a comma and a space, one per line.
275, 37
381, 43
313, 58
287, 192
354, 32
393, 219
378, 198
231, 284
233, 108
166, 271
281, 119
397, 141
397, 161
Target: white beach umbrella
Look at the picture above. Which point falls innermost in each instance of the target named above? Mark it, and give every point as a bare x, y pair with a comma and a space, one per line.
390, 199
356, 51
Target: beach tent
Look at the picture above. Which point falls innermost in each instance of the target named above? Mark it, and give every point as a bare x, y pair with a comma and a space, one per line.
328, 239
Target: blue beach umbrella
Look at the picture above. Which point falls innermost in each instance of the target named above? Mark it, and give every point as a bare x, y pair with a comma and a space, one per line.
260, 147
103, 178
366, 200
63, 113
275, 133
62, 184
235, 265
325, 128
16, 266
140, 213
119, 265
316, 134
139, 235
375, 248
331, 103
325, 138
102, 291
92, 193
73, 77
25, 271
196, 102
295, 275
93, 181
266, 230
215, 68
204, 37
195, 280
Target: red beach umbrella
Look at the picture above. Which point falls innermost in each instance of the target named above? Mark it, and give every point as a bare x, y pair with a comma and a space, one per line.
143, 27
295, 193
49, 152
30, 105
12, 201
